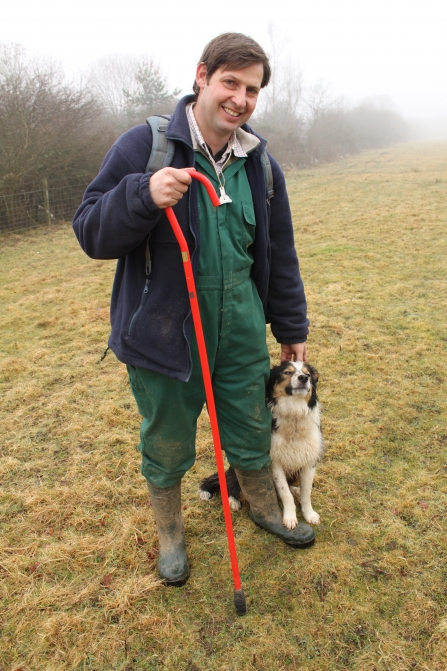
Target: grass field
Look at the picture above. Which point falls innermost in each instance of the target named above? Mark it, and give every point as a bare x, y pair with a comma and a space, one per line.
78, 545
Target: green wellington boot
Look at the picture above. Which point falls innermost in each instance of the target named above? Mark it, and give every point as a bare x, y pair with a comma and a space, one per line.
260, 492
173, 567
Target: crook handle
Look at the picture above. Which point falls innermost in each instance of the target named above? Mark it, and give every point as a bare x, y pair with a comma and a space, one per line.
206, 183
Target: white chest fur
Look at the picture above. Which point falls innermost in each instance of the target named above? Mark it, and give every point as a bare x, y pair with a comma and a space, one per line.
296, 440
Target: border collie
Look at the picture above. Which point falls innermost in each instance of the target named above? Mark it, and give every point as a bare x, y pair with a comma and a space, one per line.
297, 442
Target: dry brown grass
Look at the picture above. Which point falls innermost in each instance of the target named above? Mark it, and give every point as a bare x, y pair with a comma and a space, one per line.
78, 549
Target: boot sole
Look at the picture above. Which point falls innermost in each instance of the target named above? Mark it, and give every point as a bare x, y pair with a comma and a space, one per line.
293, 544
301, 546
178, 582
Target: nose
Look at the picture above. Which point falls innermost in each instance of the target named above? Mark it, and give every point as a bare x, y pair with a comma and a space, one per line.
239, 98
303, 378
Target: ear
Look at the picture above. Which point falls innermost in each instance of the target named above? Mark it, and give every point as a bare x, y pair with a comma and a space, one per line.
274, 373
201, 75
313, 372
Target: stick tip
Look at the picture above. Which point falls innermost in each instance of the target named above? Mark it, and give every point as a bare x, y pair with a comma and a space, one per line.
240, 602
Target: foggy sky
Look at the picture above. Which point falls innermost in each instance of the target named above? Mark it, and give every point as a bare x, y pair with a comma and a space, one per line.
365, 48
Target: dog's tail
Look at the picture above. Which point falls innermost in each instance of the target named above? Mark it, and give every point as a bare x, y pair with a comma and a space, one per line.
209, 487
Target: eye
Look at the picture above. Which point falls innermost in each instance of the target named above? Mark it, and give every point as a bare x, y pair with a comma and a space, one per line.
288, 372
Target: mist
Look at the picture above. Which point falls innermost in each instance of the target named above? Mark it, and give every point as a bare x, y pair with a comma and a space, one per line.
434, 128
364, 49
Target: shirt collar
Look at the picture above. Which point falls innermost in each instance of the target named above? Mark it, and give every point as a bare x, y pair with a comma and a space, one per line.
234, 146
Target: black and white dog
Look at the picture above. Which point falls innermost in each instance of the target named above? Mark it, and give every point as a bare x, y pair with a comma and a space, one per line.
297, 442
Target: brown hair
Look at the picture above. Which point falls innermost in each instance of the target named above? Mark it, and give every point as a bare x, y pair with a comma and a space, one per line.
233, 50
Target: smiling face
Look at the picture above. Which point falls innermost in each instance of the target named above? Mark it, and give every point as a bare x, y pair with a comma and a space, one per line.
226, 101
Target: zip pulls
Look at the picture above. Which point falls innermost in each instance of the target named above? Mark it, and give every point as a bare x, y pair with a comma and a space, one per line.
139, 308
148, 257
148, 269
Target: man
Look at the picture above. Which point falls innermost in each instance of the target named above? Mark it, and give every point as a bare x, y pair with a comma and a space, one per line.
246, 273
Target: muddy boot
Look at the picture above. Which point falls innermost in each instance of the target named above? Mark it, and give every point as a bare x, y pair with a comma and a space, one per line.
260, 492
173, 566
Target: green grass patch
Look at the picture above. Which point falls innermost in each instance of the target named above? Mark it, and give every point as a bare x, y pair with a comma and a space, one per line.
78, 545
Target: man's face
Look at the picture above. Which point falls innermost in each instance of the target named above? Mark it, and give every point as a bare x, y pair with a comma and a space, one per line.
227, 101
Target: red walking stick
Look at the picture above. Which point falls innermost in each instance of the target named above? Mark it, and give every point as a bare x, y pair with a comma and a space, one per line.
239, 596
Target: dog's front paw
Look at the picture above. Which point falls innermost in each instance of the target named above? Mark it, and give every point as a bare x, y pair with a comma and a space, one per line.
234, 503
311, 517
290, 522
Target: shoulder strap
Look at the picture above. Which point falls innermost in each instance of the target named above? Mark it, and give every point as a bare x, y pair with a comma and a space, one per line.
162, 149
268, 174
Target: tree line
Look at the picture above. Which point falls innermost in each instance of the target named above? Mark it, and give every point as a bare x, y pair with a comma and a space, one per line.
307, 127
61, 130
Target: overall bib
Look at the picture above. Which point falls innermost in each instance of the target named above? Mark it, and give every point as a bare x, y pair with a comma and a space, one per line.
234, 328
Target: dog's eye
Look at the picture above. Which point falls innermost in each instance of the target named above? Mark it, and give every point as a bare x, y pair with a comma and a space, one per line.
287, 372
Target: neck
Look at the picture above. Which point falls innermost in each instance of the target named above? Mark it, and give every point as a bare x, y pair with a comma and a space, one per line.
217, 145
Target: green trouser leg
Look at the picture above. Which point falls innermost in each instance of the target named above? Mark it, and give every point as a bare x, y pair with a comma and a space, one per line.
259, 490
173, 566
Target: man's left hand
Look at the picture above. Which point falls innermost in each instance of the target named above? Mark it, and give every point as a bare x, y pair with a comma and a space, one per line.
295, 352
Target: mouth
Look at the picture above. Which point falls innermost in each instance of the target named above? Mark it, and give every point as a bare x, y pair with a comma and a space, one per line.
232, 113
295, 391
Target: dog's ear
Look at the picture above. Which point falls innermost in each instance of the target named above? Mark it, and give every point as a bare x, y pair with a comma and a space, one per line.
313, 373
275, 371
313, 400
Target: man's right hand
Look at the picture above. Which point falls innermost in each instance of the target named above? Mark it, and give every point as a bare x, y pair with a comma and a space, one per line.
168, 185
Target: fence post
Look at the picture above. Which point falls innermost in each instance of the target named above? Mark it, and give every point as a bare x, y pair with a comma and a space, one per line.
46, 200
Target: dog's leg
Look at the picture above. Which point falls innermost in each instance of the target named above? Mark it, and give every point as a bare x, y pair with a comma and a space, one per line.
306, 479
289, 518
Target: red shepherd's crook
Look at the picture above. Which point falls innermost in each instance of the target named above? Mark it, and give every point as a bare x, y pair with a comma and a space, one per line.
239, 596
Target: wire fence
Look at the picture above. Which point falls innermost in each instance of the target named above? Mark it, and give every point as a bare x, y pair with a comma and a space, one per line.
29, 209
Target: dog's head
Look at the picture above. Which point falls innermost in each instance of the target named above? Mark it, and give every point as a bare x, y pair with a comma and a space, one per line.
293, 378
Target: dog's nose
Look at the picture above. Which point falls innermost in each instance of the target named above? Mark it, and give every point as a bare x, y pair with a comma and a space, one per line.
303, 378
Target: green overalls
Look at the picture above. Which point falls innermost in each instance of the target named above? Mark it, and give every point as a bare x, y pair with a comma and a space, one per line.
234, 327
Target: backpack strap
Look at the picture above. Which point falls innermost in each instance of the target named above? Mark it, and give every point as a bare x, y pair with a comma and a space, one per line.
162, 149
268, 174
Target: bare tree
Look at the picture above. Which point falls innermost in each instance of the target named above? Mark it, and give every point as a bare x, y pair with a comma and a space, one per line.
47, 126
279, 115
278, 42
319, 99
326, 131
109, 77
130, 89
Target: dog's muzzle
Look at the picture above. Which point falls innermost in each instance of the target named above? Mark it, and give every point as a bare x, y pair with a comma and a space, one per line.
299, 384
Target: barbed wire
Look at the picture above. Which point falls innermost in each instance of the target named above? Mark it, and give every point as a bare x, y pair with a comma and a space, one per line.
29, 209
